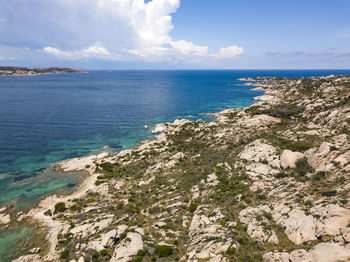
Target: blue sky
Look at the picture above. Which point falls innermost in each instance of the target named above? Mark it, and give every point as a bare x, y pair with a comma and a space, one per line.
176, 34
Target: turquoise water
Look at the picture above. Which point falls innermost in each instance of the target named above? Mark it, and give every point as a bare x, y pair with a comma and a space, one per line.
48, 118
15, 241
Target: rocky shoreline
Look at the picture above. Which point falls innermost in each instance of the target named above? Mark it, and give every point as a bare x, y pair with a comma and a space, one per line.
265, 183
19, 71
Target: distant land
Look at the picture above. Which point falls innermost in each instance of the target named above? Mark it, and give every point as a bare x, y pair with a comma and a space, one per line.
17, 71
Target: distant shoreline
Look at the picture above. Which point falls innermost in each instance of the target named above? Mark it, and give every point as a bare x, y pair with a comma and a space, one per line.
23, 71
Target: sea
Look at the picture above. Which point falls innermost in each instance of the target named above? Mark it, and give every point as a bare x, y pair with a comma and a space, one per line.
48, 118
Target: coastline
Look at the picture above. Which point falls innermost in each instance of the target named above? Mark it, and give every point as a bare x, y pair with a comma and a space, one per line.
23, 71
271, 97
80, 164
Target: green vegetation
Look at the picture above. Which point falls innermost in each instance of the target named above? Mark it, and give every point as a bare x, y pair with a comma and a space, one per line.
164, 251
60, 207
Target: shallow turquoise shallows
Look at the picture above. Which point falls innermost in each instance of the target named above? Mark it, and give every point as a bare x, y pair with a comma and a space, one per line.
48, 118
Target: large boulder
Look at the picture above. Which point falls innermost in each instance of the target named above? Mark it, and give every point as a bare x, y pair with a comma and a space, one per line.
258, 151
290, 158
330, 252
332, 219
299, 227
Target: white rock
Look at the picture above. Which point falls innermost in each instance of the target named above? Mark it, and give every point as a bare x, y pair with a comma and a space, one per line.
127, 248
95, 245
289, 158
159, 128
257, 151
212, 180
109, 238
321, 158
255, 229
299, 227
332, 219
5, 219
345, 231
34, 250
258, 121
276, 257
159, 224
300, 255
330, 252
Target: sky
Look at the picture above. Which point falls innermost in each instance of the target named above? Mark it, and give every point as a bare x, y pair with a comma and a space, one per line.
176, 34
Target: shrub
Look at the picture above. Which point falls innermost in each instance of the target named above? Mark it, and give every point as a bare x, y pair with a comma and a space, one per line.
231, 251
319, 175
104, 252
329, 193
48, 213
95, 254
193, 207
136, 259
164, 250
64, 254
268, 216
281, 175
141, 253
107, 166
60, 207
302, 167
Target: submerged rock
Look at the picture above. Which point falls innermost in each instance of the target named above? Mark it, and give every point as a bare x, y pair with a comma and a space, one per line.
5, 219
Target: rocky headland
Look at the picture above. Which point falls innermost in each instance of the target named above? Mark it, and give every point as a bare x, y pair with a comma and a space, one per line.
18, 71
265, 183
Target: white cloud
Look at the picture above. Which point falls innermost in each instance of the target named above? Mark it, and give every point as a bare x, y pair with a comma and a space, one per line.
188, 48
229, 52
94, 51
123, 30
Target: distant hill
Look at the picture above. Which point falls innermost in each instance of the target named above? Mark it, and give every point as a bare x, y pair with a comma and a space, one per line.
15, 71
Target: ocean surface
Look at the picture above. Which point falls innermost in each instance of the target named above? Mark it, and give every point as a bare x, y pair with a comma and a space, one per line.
45, 119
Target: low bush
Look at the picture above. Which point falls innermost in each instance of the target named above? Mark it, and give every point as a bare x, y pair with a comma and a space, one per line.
60, 207
164, 250
64, 254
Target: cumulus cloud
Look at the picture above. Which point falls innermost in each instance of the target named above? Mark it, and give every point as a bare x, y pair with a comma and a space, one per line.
188, 48
94, 51
121, 30
229, 52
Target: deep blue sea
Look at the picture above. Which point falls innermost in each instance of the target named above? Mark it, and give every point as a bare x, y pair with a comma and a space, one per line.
48, 118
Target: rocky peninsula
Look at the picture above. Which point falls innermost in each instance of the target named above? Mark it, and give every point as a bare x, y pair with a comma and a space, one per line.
18, 71
265, 183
